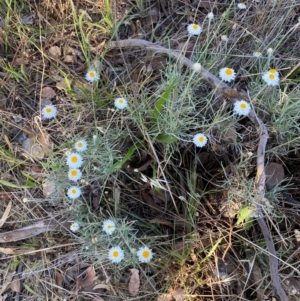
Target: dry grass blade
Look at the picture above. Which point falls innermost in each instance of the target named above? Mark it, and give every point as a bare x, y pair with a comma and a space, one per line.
5, 214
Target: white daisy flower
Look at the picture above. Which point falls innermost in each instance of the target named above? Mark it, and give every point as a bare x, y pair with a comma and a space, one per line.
210, 16
109, 226
74, 160
241, 107
115, 254
257, 54
224, 38
49, 112
74, 192
74, 227
200, 140
144, 254
194, 29
242, 5
81, 145
92, 75
270, 51
197, 67
271, 78
121, 103
227, 74
74, 174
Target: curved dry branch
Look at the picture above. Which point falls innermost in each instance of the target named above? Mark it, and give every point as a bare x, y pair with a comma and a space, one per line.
33, 230
213, 80
260, 174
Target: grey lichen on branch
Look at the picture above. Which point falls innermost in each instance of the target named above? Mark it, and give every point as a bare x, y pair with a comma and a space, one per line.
232, 94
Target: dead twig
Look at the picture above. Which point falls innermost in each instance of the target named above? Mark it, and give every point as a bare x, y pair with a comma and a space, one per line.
260, 186
260, 174
33, 230
213, 80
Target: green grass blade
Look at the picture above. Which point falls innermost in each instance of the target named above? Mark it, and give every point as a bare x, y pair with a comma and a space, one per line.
165, 138
128, 156
12, 185
160, 104
212, 250
28, 289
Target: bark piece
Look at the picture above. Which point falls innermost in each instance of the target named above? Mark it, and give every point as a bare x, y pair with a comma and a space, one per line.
134, 282
274, 174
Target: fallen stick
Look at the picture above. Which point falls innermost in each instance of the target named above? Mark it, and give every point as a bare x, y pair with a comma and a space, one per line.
260, 174
33, 230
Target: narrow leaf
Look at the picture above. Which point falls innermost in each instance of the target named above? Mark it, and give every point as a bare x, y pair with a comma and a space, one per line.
12, 185
160, 104
127, 157
165, 138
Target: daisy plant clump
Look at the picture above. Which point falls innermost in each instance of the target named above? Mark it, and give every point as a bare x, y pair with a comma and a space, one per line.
92, 75
271, 77
114, 240
200, 140
97, 155
121, 103
172, 106
49, 112
241, 107
194, 29
227, 74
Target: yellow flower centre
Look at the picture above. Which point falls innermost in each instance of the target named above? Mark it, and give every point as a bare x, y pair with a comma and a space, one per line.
201, 139
48, 110
115, 254
73, 172
195, 26
74, 159
242, 4
79, 144
145, 254
109, 227
92, 74
243, 106
73, 191
228, 71
273, 71
272, 76
121, 101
